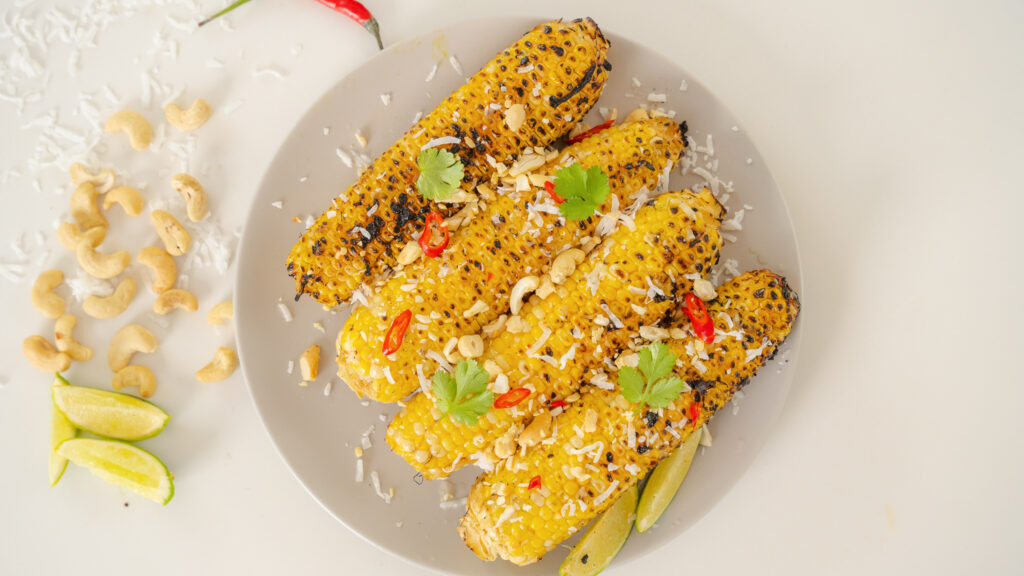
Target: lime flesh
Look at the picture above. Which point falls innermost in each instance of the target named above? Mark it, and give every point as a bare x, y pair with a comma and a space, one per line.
122, 464
664, 483
60, 430
603, 540
110, 414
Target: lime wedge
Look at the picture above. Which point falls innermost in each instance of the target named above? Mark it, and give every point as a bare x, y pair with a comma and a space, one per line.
110, 414
60, 430
664, 483
603, 540
122, 464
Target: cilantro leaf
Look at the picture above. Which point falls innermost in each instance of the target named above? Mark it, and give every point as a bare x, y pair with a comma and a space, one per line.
440, 173
652, 388
465, 397
584, 191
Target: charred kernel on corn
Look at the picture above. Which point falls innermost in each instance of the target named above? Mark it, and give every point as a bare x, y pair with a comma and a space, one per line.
585, 483
534, 356
380, 212
486, 260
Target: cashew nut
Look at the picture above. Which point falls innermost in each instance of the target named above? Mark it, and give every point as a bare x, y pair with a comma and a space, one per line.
538, 430
195, 197
165, 271
547, 288
176, 239
186, 120
704, 290
521, 289
69, 235
224, 363
410, 253
126, 342
471, 345
309, 363
175, 299
96, 264
45, 301
66, 342
128, 197
515, 116
565, 264
636, 115
139, 132
83, 206
136, 376
113, 305
104, 179
221, 313
44, 356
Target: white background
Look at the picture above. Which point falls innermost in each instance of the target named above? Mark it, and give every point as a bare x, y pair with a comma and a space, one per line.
894, 130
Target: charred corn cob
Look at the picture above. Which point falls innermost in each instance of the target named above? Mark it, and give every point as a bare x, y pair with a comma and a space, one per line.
542, 85
467, 287
600, 446
626, 283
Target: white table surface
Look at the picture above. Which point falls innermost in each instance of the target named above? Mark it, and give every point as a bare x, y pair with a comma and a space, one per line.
894, 130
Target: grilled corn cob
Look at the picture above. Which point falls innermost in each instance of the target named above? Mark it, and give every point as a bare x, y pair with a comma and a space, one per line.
601, 446
468, 286
542, 85
627, 282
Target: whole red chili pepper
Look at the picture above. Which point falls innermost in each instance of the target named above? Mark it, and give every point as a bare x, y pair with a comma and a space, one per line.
512, 398
550, 187
357, 12
396, 333
534, 483
588, 133
703, 326
435, 235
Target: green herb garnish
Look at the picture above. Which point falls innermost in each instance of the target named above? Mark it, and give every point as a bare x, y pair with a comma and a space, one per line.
653, 388
440, 173
583, 192
465, 397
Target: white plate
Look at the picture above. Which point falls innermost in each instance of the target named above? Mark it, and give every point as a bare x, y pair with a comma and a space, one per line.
316, 434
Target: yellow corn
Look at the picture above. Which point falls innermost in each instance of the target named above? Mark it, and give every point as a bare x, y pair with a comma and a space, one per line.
549, 79
556, 340
467, 287
583, 469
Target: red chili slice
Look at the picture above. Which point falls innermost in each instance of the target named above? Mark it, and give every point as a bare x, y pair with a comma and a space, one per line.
534, 483
694, 413
550, 187
435, 236
557, 403
512, 397
697, 312
395, 334
588, 133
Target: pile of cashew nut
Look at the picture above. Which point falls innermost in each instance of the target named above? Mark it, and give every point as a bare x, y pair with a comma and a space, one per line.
95, 195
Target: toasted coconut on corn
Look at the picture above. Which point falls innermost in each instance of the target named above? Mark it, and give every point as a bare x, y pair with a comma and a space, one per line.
575, 329
507, 519
469, 285
366, 227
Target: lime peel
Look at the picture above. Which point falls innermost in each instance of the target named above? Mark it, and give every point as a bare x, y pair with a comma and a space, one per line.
122, 464
110, 414
61, 429
605, 537
664, 483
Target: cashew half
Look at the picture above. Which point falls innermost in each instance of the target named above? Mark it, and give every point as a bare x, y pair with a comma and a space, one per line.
565, 264
309, 363
471, 345
175, 299
221, 313
224, 363
69, 235
126, 342
41, 354
104, 179
538, 430
138, 129
113, 305
128, 197
66, 342
186, 120
525, 285
96, 264
176, 239
195, 197
45, 301
136, 376
83, 206
165, 270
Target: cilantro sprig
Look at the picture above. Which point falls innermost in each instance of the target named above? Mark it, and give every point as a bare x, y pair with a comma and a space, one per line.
653, 388
441, 173
583, 191
465, 397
